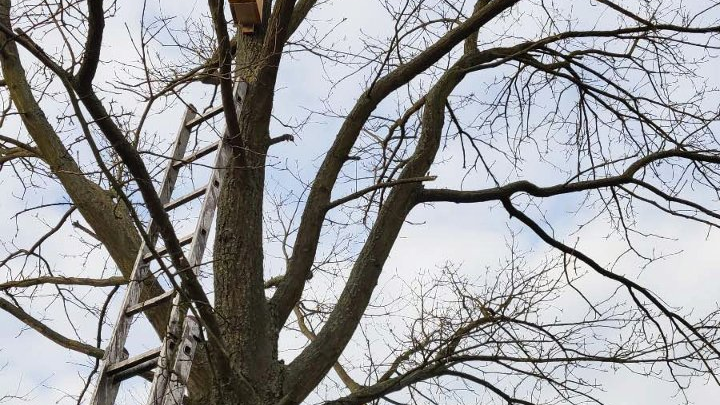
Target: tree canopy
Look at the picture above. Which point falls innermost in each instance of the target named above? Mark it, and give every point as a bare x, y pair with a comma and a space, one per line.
427, 201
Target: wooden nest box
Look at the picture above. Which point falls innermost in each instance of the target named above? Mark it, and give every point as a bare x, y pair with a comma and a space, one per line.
247, 14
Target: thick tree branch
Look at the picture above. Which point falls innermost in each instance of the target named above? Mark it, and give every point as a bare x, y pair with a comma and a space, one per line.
242, 307
59, 280
281, 138
93, 42
304, 250
498, 193
302, 9
389, 184
378, 390
483, 383
110, 222
351, 384
6, 155
317, 358
224, 63
49, 333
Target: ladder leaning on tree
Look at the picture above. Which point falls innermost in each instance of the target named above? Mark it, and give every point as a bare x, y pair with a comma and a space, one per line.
173, 359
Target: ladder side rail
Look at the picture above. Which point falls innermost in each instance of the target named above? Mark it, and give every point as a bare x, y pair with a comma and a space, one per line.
179, 309
180, 147
197, 250
106, 390
183, 363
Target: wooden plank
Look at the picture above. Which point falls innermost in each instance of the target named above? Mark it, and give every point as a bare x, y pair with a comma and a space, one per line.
106, 390
197, 155
183, 363
151, 303
185, 199
204, 117
130, 362
247, 12
134, 371
163, 250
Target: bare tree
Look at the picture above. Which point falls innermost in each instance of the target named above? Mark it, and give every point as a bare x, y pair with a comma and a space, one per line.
461, 102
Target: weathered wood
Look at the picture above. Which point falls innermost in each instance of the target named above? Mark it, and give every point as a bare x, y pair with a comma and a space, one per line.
183, 363
168, 349
106, 389
197, 155
186, 198
204, 117
247, 12
171, 173
130, 362
151, 303
137, 370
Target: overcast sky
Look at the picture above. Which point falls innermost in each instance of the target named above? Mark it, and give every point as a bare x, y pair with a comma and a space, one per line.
473, 237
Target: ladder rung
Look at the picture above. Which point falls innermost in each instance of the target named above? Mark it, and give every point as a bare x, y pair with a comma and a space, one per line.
204, 117
146, 360
163, 250
197, 155
151, 303
142, 369
185, 199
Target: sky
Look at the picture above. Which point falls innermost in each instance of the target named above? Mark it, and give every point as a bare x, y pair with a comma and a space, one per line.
474, 238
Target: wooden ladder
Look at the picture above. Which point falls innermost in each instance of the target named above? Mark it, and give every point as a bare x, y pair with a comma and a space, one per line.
183, 332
